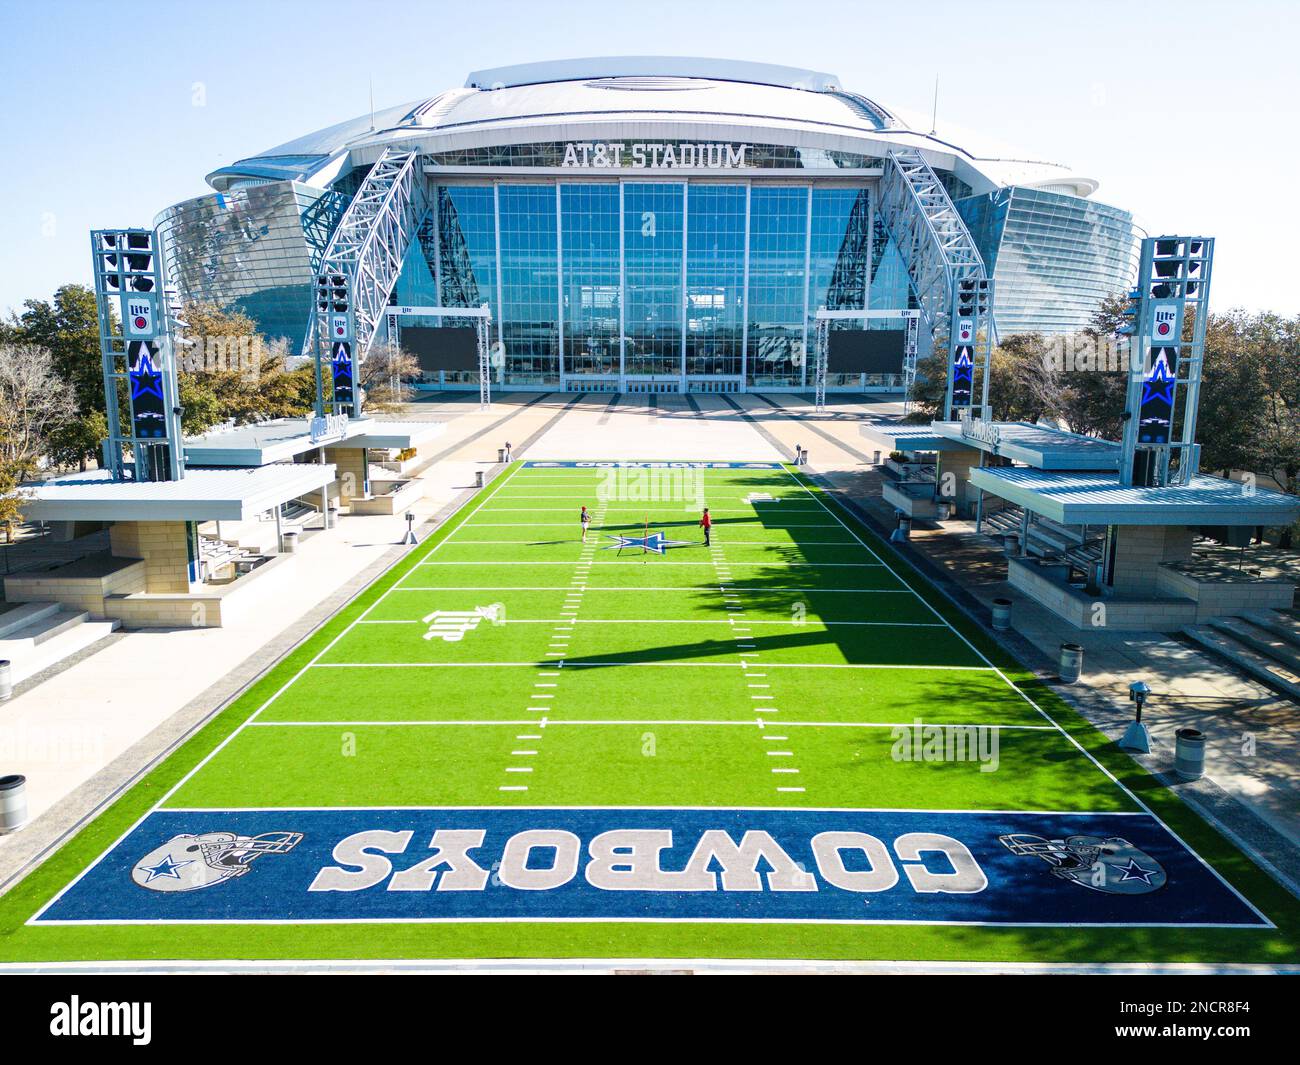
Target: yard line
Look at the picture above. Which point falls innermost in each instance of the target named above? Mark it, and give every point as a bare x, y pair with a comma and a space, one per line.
566, 620
639, 588
666, 665
616, 562
747, 722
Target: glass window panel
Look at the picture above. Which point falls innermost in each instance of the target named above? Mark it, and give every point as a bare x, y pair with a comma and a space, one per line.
652, 274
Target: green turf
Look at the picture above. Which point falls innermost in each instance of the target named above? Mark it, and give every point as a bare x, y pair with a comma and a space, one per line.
645, 685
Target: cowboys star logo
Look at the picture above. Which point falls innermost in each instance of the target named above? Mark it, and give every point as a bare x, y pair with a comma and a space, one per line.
655, 541
1107, 864
191, 862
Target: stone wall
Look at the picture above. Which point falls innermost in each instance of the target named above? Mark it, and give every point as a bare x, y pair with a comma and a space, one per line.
164, 547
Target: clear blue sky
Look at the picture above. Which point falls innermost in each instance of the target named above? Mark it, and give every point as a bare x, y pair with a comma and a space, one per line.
1201, 95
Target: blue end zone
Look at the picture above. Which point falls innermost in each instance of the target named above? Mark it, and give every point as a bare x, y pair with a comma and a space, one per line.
651, 864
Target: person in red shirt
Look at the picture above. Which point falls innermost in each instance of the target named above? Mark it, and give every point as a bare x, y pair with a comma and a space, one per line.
706, 523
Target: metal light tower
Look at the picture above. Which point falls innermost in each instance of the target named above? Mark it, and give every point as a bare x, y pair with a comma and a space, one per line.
970, 348
137, 345
1159, 448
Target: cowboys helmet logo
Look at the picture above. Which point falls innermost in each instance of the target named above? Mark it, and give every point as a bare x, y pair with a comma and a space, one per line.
1108, 864
187, 863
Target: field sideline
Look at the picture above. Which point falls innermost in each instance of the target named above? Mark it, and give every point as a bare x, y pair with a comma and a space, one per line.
650, 748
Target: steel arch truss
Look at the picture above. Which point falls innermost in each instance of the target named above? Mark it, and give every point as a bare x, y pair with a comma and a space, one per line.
359, 268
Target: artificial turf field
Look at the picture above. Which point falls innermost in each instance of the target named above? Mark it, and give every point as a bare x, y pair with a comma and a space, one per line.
514, 744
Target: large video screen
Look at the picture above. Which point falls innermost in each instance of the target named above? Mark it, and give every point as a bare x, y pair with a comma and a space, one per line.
443, 347
865, 351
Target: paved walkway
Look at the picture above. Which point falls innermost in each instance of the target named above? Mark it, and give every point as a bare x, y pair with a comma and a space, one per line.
87, 731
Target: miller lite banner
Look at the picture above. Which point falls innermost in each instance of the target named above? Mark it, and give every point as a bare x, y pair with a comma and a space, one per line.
1166, 322
138, 316
966, 331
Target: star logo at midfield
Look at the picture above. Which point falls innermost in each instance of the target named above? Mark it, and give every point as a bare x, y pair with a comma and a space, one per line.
166, 867
655, 541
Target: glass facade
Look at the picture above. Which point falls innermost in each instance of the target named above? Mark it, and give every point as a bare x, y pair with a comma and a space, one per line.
669, 281
1054, 256
254, 250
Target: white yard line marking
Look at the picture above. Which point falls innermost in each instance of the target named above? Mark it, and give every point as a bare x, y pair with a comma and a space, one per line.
664, 665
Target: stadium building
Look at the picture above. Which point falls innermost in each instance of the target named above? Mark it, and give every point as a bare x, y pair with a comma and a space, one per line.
652, 224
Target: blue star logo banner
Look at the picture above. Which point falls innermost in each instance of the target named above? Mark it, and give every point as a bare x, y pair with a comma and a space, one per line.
148, 407
1156, 413
963, 376
655, 541
342, 366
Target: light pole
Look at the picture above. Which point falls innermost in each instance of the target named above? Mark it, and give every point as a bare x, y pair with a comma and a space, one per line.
1136, 737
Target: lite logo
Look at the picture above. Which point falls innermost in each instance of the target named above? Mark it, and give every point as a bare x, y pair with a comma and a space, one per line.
1164, 322
450, 626
74, 1017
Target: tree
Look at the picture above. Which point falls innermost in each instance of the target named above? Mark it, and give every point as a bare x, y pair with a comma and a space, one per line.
1233, 405
383, 377
77, 440
68, 328
1092, 401
34, 401
1276, 442
230, 371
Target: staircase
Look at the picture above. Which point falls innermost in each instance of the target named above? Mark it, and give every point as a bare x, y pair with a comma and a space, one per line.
35, 636
1263, 644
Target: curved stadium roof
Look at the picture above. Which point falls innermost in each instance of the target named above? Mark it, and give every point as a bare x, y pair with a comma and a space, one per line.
591, 99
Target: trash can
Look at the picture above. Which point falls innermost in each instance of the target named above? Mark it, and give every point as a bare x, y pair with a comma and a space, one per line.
1189, 753
943, 511
904, 527
290, 540
1071, 662
13, 802
478, 478
6, 679
1011, 544
1001, 615
501, 454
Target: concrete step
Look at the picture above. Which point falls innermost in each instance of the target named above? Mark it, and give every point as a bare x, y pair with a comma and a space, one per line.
32, 659
23, 615
46, 628
1279, 624
1267, 643
1245, 659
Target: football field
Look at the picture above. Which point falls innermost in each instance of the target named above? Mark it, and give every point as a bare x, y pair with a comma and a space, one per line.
784, 744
